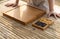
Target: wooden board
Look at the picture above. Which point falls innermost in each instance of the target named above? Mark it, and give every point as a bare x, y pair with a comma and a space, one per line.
25, 14
43, 23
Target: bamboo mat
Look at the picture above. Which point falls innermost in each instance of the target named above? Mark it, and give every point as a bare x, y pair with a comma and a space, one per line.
10, 29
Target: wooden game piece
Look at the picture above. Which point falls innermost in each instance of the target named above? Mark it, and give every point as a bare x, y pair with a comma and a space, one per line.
42, 23
25, 14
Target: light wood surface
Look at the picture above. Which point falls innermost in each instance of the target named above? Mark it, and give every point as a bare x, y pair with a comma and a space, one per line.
25, 14
5, 9
10, 29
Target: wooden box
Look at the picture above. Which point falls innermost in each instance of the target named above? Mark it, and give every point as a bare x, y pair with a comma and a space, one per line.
43, 23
